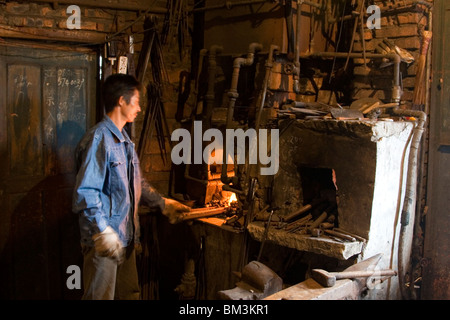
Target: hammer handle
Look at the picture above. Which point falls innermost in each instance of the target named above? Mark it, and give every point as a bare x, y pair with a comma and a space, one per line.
298, 212
362, 274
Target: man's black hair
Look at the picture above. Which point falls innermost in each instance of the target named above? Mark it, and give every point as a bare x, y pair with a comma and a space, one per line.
116, 86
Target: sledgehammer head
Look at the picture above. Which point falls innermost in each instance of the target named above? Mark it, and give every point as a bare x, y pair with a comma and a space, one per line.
323, 277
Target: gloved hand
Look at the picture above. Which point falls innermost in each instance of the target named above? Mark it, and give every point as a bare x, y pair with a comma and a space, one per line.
174, 210
108, 244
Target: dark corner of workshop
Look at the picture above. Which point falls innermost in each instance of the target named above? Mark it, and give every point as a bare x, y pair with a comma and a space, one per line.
309, 140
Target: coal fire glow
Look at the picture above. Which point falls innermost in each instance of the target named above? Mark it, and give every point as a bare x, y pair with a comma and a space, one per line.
232, 199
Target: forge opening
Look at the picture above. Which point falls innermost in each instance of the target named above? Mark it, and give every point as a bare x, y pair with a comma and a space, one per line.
319, 189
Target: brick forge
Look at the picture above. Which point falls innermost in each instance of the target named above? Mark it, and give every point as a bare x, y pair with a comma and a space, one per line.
368, 160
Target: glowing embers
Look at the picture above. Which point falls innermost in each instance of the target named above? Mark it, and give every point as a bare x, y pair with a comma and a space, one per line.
232, 199
212, 203
223, 198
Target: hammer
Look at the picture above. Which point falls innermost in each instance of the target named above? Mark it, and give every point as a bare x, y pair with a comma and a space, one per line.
328, 279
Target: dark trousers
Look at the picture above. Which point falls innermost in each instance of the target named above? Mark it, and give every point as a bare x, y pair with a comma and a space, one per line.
105, 279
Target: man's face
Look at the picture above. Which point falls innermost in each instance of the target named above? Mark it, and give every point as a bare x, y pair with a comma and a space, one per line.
130, 110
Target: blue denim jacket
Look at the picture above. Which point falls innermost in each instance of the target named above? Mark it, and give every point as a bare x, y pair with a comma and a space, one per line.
109, 185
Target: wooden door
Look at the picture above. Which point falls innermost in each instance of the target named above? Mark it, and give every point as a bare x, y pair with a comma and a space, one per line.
436, 271
47, 100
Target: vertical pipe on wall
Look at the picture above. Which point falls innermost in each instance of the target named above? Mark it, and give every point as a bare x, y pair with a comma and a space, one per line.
262, 97
233, 95
422, 180
408, 209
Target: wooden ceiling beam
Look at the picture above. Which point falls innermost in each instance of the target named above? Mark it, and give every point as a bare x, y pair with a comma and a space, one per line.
78, 36
107, 5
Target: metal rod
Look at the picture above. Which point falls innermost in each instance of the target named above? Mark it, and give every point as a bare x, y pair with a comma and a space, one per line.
266, 232
202, 213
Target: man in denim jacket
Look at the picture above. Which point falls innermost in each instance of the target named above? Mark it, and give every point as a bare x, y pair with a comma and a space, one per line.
108, 191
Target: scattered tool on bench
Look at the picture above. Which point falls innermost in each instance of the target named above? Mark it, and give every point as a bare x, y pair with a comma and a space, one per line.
377, 105
346, 114
328, 279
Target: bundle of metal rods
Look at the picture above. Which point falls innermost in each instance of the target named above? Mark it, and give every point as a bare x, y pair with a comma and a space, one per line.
155, 117
176, 23
420, 83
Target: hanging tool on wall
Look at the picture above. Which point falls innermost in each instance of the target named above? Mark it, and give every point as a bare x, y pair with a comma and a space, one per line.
387, 46
143, 61
359, 21
147, 45
155, 117
196, 94
131, 69
176, 25
184, 89
290, 28
110, 56
112, 51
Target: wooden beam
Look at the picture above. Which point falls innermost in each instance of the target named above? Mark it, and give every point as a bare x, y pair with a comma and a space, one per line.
89, 37
139, 6
24, 43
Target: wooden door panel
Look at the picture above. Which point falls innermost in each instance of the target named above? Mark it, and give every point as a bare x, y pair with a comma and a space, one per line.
47, 99
24, 110
436, 274
70, 114
444, 117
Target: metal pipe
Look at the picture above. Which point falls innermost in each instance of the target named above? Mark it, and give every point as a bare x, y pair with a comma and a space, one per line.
262, 98
421, 183
233, 95
409, 203
269, 65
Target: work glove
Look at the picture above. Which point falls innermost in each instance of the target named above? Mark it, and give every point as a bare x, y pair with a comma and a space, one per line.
108, 244
174, 210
